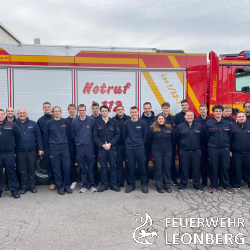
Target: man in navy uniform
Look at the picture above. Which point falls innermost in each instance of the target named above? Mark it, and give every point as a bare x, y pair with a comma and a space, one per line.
180, 117
170, 119
72, 146
149, 118
9, 137
97, 116
246, 107
204, 165
217, 133
188, 138
82, 128
42, 124
240, 147
26, 151
120, 118
105, 135
226, 114
135, 134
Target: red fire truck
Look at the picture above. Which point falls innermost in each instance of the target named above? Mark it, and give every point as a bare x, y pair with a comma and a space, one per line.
33, 74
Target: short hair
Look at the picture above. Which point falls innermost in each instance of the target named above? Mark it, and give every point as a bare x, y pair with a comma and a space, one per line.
71, 106
94, 104
8, 108
203, 105
217, 106
104, 107
81, 106
241, 112
2, 111
147, 103
55, 108
46, 103
133, 107
245, 104
189, 111
227, 107
184, 101
119, 106
165, 104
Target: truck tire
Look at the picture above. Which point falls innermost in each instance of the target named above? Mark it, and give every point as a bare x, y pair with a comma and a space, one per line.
41, 171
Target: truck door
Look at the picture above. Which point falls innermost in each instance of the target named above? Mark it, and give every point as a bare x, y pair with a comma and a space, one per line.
226, 85
240, 87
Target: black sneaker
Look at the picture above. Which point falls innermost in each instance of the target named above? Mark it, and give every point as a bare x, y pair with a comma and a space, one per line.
115, 188
144, 189
129, 189
102, 189
175, 183
161, 191
23, 191
68, 191
33, 190
169, 190
180, 189
16, 195
60, 191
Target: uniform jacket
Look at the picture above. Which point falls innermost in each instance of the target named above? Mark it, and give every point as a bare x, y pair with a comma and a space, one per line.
29, 135
217, 134
120, 122
82, 131
188, 138
161, 140
240, 139
56, 132
9, 137
106, 132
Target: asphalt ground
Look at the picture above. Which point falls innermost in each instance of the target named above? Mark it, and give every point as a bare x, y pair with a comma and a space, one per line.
109, 220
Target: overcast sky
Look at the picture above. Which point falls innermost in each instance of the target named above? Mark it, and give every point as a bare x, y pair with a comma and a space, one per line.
190, 25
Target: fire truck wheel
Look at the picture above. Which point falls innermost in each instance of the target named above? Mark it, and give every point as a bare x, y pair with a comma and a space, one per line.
41, 171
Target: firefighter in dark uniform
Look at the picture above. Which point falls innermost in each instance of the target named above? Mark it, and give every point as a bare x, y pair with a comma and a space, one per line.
188, 138
217, 133
161, 136
240, 147
120, 118
105, 135
9, 137
82, 128
149, 118
246, 107
56, 139
41, 122
204, 165
97, 116
226, 114
135, 134
170, 119
72, 146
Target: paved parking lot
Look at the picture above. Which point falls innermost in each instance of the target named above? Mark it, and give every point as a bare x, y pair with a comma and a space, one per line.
108, 220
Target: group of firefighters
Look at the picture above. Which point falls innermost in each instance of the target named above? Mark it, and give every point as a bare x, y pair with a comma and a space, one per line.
216, 147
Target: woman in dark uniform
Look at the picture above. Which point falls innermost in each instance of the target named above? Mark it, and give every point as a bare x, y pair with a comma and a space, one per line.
56, 138
161, 135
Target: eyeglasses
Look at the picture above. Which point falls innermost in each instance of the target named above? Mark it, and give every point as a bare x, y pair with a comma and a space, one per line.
23, 113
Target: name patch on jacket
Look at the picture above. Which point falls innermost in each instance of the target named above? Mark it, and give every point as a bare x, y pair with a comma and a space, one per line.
111, 128
30, 127
8, 127
138, 127
63, 126
226, 129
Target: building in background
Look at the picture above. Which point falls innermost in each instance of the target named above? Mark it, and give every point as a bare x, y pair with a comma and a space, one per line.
7, 37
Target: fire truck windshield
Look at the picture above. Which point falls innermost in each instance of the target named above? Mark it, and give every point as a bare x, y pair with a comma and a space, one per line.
242, 81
